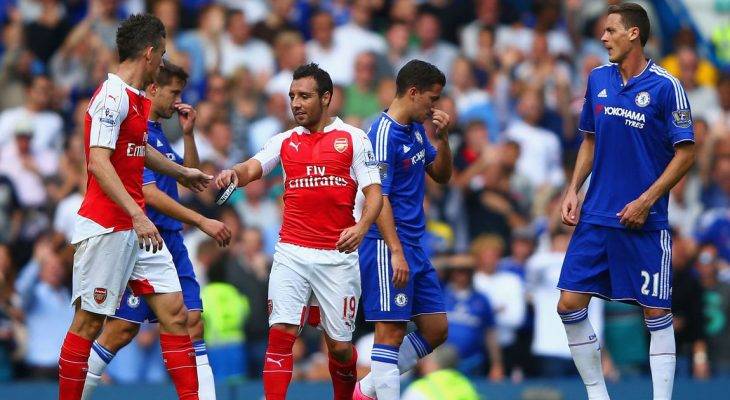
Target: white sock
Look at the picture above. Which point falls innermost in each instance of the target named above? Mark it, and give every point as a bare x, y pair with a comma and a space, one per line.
99, 358
586, 352
206, 384
413, 348
662, 356
384, 369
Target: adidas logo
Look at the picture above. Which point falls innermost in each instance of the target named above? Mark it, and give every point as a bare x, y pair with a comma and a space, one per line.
602, 93
159, 143
406, 149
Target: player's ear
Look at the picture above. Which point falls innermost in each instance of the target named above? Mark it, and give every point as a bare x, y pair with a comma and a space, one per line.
152, 89
634, 33
326, 99
148, 54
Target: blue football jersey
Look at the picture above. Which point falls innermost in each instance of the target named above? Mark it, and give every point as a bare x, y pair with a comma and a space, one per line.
157, 139
636, 126
402, 153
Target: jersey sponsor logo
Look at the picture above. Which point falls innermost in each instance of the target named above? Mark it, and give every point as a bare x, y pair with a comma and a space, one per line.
632, 118
682, 118
419, 157
100, 295
602, 93
134, 150
133, 301
341, 145
642, 99
401, 300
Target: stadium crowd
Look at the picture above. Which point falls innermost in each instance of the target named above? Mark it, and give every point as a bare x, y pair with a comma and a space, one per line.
516, 75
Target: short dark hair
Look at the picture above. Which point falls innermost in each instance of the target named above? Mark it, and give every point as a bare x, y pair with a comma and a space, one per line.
418, 74
633, 15
324, 82
168, 71
137, 33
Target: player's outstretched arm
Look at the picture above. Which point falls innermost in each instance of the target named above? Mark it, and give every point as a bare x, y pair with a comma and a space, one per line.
103, 170
191, 178
241, 174
635, 213
440, 168
159, 200
186, 116
583, 167
351, 237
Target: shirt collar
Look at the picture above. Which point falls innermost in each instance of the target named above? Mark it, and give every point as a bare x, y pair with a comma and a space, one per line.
116, 78
335, 124
634, 78
405, 128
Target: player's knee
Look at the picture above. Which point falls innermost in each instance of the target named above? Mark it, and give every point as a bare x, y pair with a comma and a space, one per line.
391, 334
117, 334
195, 326
86, 324
652, 313
340, 351
436, 335
570, 302
286, 328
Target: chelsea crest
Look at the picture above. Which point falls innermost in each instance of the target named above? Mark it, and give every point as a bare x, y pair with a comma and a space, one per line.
642, 99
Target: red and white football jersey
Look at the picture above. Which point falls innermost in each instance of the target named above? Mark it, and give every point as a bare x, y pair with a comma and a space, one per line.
322, 172
116, 119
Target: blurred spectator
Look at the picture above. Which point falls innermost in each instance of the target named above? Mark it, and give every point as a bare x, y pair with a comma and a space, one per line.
102, 15
27, 167
716, 308
714, 230
705, 74
70, 192
226, 154
10, 314
625, 338
45, 301
441, 380
540, 152
549, 344
487, 16
276, 120
361, 99
239, 49
356, 32
335, 57
397, 37
700, 93
45, 33
11, 213
472, 103
276, 21
687, 308
716, 192
35, 115
257, 210
226, 311
719, 119
684, 207
430, 47
523, 244
505, 291
290, 53
471, 322
542, 70
202, 45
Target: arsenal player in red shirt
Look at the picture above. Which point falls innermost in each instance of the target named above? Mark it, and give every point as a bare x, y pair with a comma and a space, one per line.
325, 161
112, 228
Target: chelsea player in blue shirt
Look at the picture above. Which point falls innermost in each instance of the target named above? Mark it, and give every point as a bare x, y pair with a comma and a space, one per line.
638, 144
398, 281
163, 209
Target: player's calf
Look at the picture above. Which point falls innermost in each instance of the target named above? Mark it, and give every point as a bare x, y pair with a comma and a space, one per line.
117, 333
343, 368
662, 351
279, 362
170, 311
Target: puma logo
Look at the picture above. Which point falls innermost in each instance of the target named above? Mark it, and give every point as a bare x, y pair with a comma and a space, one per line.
277, 362
348, 376
294, 145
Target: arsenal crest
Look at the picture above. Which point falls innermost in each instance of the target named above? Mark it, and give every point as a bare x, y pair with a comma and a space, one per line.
99, 295
341, 145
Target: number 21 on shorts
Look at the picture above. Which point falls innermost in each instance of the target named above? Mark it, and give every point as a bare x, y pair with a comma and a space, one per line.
650, 279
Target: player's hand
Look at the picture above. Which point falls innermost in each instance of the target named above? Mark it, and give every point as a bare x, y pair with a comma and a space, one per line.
147, 234
569, 208
400, 270
217, 230
186, 115
225, 178
194, 179
635, 213
441, 120
350, 239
